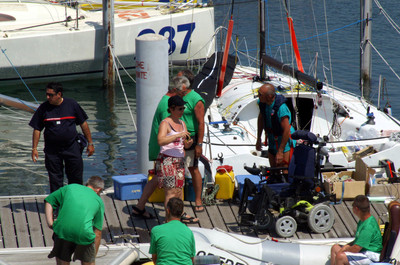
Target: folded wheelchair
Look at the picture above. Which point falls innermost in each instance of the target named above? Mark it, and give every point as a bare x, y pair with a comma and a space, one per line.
284, 200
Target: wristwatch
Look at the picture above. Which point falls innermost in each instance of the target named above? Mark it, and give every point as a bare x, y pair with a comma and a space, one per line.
200, 144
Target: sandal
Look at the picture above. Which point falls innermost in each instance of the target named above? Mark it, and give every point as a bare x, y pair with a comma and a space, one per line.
186, 219
141, 213
196, 208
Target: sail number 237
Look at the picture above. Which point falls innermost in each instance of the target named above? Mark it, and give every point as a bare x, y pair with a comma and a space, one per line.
189, 28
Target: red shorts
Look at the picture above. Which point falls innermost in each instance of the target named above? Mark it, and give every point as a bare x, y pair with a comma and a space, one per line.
170, 171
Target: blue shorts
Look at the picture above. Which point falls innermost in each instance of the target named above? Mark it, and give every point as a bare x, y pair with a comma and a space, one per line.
362, 258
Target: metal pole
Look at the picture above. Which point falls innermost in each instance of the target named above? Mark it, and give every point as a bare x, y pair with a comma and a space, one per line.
379, 92
261, 7
108, 29
366, 31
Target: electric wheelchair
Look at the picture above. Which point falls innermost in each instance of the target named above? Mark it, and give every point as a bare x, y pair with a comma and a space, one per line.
284, 200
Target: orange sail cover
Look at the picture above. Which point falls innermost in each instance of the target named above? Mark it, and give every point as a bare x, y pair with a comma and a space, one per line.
225, 58
295, 46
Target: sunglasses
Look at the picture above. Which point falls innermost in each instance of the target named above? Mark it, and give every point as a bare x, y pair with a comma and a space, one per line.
50, 94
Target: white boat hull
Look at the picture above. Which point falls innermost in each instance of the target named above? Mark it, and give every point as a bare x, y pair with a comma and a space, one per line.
59, 50
239, 249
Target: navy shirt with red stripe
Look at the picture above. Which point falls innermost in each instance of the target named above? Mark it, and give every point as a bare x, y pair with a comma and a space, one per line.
59, 122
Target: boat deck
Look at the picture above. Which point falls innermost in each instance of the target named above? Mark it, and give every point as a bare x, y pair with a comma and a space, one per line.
23, 223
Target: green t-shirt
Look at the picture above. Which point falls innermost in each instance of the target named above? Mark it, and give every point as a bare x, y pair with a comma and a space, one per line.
189, 117
283, 111
80, 209
368, 235
160, 114
173, 243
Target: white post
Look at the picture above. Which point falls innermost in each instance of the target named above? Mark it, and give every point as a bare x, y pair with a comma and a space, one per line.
151, 84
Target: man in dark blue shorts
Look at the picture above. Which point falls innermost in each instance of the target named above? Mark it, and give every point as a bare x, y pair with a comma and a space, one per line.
59, 117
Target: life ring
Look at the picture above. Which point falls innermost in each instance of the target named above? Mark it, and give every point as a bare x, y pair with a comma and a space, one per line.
132, 14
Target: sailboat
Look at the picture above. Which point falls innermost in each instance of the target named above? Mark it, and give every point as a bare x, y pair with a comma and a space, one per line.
41, 39
350, 124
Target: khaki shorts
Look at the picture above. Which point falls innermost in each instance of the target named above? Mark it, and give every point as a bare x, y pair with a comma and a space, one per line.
190, 160
64, 249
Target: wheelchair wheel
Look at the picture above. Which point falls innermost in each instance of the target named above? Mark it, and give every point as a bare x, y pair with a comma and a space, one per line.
286, 226
264, 220
321, 218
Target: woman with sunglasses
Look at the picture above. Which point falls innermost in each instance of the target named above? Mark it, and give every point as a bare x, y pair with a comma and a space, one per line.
173, 137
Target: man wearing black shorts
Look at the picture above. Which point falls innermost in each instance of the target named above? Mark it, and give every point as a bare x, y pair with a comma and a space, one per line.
59, 117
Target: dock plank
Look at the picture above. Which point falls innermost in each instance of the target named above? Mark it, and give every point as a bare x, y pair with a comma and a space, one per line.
139, 223
124, 217
215, 217
111, 217
47, 232
204, 220
228, 217
23, 218
188, 209
150, 223
382, 211
21, 226
7, 224
34, 225
346, 215
245, 230
159, 211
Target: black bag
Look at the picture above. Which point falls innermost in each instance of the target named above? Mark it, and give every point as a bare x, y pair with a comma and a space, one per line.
82, 141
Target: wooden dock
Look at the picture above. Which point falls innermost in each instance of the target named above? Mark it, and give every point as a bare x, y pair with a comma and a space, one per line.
23, 223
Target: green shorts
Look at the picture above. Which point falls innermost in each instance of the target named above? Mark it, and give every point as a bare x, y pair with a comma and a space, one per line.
64, 249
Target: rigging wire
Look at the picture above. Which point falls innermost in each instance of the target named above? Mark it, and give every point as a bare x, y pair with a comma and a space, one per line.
122, 87
15, 69
386, 15
384, 60
329, 47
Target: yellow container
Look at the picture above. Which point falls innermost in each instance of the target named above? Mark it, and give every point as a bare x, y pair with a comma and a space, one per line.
158, 195
226, 181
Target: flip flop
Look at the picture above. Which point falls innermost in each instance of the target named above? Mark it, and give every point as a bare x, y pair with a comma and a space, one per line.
196, 208
141, 213
186, 219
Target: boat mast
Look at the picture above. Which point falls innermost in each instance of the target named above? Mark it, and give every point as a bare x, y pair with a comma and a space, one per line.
365, 58
261, 15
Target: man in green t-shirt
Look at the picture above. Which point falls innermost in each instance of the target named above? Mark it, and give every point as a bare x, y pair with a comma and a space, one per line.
77, 229
367, 245
193, 116
172, 242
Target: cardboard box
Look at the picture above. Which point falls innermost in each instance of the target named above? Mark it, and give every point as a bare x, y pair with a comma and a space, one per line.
129, 187
351, 188
364, 172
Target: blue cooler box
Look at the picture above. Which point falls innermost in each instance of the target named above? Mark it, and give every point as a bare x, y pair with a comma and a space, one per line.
129, 187
188, 191
240, 181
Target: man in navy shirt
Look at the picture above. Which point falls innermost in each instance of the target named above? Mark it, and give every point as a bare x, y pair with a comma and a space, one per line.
59, 117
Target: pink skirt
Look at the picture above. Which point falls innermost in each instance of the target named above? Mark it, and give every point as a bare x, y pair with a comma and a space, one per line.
170, 171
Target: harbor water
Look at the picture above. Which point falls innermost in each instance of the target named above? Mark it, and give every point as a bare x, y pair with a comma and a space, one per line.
111, 124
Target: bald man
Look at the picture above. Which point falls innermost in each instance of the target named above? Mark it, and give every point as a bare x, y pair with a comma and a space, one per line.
275, 119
